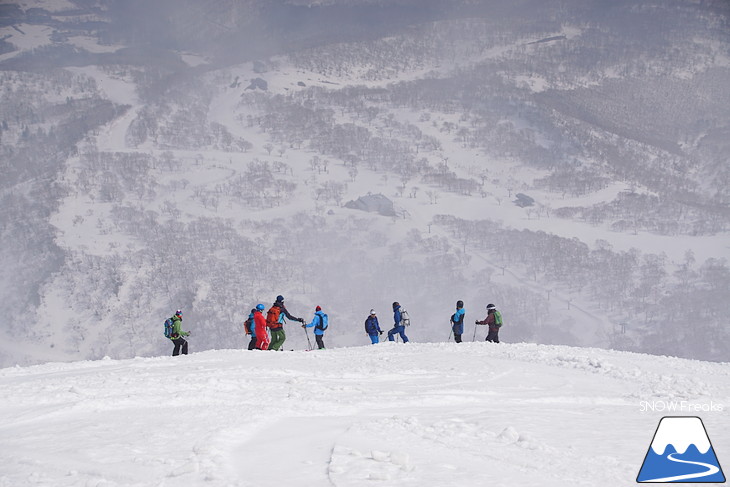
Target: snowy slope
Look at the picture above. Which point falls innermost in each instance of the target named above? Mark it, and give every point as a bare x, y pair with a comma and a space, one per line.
473, 414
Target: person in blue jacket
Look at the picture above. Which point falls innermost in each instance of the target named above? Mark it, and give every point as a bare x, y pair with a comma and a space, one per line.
248, 325
457, 321
372, 327
320, 322
398, 326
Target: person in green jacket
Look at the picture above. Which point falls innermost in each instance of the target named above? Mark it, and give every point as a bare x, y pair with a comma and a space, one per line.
178, 334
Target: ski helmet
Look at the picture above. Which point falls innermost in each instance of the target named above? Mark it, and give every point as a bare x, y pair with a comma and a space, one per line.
280, 298
372, 312
260, 307
460, 304
395, 304
491, 306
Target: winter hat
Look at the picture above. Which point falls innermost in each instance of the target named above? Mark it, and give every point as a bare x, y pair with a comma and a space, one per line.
178, 312
372, 311
491, 306
317, 309
460, 304
280, 298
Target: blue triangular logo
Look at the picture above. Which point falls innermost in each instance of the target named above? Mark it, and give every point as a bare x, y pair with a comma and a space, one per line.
681, 452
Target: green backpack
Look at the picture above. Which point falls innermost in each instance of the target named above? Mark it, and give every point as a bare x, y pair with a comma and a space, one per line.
498, 319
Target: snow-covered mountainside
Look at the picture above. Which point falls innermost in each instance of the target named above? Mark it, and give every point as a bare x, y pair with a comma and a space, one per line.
566, 161
463, 415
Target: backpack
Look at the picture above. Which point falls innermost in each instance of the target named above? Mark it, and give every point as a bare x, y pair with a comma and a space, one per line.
370, 325
323, 322
497, 319
247, 325
405, 320
272, 317
169, 327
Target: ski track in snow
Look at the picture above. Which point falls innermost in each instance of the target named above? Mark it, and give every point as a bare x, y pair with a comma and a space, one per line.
471, 414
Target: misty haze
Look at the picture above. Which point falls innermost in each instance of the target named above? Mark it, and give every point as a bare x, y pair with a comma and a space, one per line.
565, 160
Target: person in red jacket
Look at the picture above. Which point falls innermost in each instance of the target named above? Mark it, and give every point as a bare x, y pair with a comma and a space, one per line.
262, 334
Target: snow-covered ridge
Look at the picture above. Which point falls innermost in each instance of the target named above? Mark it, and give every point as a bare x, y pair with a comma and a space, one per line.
470, 414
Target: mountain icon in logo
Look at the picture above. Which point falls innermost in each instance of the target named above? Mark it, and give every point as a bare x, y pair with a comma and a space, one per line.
681, 452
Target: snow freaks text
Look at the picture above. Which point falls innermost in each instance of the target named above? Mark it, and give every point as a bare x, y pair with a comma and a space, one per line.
680, 407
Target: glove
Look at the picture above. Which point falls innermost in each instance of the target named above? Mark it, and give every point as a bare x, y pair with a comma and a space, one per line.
301, 320
381, 332
476, 322
304, 326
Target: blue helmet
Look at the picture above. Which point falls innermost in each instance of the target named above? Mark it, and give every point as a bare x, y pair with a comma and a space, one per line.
260, 307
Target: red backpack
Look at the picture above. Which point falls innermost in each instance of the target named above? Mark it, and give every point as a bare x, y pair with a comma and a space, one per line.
248, 325
272, 317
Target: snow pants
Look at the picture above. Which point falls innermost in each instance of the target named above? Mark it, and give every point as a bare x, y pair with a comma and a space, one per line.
262, 341
252, 343
493, 335
180, 344
374, 338
458, 329
320, 341
277, 338
400, 330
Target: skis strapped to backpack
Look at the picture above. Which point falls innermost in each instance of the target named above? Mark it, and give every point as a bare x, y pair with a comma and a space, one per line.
405, 320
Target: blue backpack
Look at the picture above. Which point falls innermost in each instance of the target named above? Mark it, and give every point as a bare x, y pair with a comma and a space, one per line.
169, 327
323, 322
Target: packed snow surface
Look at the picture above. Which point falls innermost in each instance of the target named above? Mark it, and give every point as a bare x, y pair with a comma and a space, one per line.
470, 414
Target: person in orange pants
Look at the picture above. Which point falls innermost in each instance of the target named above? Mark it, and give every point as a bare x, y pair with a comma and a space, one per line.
262, 334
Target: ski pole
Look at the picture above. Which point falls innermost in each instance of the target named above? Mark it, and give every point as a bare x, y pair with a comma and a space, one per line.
475, 333
450, 333
307, 333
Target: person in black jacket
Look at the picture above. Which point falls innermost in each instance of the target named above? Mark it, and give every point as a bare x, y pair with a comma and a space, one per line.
372, 327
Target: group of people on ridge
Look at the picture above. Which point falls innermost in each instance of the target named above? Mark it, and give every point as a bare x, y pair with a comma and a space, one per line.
258, 326
267, 332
